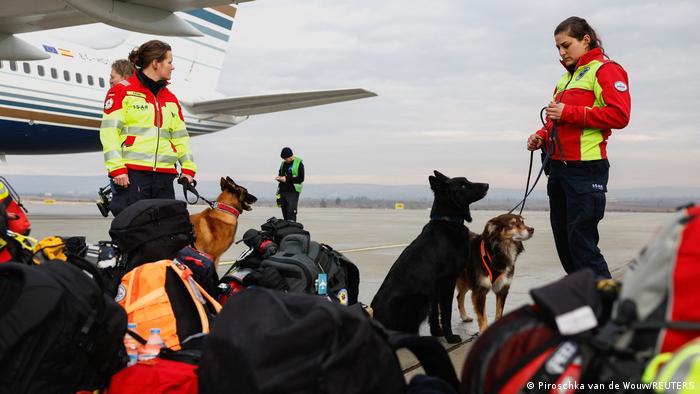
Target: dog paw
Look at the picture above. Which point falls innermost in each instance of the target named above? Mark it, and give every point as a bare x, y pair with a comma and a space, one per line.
452, 338
467, 318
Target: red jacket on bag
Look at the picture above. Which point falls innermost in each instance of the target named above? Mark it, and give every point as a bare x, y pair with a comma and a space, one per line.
596, 99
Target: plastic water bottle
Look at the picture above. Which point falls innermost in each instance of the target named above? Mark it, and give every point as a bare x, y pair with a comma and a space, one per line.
322, 284
152, 347
132, 346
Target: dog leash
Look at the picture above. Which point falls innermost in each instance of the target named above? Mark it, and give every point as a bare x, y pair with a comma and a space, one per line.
191, 187
545, 161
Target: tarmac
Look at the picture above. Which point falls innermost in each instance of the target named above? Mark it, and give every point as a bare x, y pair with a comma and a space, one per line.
374, 238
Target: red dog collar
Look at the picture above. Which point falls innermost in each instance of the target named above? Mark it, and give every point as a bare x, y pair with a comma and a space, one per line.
226, 208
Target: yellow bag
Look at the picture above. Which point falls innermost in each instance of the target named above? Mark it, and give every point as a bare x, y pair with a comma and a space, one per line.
49, 248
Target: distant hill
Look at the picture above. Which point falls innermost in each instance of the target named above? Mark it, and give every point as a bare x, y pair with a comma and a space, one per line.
85, 187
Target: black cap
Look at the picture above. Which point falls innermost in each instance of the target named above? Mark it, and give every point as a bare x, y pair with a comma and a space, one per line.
286, 152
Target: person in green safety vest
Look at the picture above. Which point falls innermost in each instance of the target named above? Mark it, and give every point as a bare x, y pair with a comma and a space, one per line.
290, 178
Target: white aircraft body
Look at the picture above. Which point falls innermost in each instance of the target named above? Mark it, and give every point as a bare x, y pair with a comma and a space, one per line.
53, 82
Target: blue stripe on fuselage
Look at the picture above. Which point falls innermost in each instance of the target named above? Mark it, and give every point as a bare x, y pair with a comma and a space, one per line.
21, 138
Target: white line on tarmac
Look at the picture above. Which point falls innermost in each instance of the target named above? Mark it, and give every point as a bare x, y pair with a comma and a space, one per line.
226, 263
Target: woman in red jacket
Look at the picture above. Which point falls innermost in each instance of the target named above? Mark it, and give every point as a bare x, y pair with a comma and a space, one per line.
590, 100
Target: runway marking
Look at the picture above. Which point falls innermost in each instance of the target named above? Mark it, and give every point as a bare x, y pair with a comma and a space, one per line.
380, 247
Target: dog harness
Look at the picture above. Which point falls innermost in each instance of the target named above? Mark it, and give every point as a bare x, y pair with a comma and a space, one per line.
226, 208
484, 257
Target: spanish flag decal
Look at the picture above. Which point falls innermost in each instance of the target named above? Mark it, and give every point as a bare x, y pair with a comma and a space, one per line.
65, 52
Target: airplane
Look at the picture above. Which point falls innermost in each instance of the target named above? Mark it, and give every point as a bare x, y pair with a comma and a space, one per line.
53, 82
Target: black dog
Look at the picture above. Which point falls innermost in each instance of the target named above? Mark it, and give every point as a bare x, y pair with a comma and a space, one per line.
423, 278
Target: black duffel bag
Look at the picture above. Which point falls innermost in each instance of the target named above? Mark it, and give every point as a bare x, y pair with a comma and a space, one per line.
267, 341
152, 230
59, 331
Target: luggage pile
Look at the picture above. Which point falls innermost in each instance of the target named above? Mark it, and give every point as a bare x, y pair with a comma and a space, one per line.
282, 256
64, 315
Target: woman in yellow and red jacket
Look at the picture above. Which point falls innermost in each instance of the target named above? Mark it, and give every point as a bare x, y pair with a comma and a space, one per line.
590, 100
143, 131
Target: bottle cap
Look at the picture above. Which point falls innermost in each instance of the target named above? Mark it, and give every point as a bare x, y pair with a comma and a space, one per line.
155, 330
131, 326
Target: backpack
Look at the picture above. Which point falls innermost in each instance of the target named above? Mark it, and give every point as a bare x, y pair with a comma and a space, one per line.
544, 343
266, 341
59, 332
657, 308
280, 228
165, 295
202, 267
151, 230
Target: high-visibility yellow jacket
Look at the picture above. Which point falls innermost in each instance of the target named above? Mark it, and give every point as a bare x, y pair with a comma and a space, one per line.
144, 132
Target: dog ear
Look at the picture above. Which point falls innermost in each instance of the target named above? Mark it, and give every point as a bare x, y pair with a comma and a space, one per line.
434, 183
440, 176
223, 183
231, 182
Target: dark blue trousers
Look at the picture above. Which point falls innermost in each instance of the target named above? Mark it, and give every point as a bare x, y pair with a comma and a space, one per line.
576, 205
142, 185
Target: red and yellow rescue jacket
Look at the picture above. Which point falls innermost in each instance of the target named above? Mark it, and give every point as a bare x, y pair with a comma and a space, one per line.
144, 132
596, 99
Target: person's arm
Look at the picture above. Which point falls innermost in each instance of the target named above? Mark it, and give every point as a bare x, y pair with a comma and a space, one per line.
181, 141
613, 86
110, 131
300, 175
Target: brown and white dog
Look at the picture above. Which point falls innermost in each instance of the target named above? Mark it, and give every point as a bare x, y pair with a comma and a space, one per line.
491, 264
215, 227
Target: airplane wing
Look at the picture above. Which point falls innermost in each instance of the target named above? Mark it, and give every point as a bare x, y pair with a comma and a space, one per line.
254, 105
145, 16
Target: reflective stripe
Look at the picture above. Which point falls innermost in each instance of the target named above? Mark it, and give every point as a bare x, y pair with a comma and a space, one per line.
116, 123
170, 135
162, 159
111, 155
186, 157
128, 155
170, 159
179, 133
133, 130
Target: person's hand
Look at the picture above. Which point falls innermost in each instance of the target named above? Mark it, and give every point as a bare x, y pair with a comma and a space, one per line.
554, 110
281, 179
122, 180
188, 177
534, 142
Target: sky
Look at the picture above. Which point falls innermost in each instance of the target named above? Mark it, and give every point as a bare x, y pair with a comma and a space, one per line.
460, 85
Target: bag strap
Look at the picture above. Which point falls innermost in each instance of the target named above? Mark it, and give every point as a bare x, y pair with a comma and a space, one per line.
430, 353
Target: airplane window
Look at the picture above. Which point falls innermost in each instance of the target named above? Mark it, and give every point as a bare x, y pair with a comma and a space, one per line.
102, 82
78, 78
13, 65
26, 68
66, 75
54, 73
40, 69
91, 81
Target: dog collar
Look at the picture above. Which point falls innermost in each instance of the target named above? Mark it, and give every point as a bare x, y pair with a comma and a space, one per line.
451, 219
226, 208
